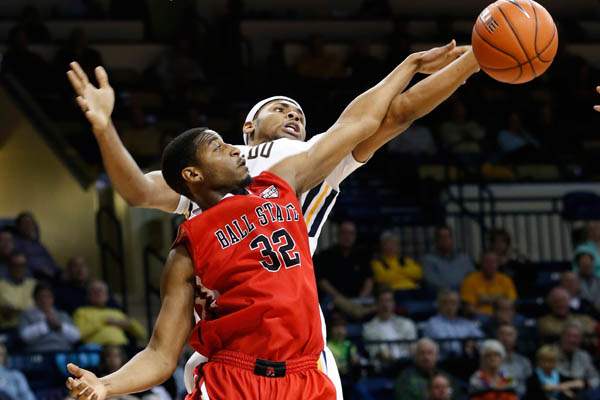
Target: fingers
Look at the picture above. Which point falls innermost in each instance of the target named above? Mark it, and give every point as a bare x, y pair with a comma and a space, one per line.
75, 67
597, 108
102, 77
75, 370
78, 86
80, 390
598, 89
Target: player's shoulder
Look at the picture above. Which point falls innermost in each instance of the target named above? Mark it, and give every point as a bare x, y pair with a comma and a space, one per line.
269, 185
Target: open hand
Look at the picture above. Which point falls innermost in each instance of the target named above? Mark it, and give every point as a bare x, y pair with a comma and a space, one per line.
84, 384
97, 103
432, 60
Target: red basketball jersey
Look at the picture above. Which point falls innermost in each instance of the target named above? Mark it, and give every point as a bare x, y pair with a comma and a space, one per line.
255, 275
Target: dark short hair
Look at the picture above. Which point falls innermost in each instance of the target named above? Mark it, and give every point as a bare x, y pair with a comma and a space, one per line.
383, 289
440, 228
180, 153
40, 287
496, 233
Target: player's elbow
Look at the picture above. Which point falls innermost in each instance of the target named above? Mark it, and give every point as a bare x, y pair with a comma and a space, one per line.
368, 126
401, 112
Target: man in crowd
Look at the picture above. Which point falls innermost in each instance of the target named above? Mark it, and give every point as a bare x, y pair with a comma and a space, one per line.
7, 247
589, 282
13, 384
43, 327
569, 281
16, 292
553, 324
481, 289
514, 364
391, 268
445, 267
448, 325
101, 324
574, 362
27, 241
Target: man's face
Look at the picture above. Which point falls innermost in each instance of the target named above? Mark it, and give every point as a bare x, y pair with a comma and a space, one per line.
390, 247
448, 305
17, 267
386, 304
507, 335
44, 300
220, 164
440, 388
570, 282
78, 270
586, 265
27, 228
7, 244
426, 356
489, 265
275, 120
570, 340
98, 294
444, 241
505, 311
347, 235
559, 303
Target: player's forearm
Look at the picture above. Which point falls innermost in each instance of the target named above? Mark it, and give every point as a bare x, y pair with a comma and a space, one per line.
417, 102
145, 370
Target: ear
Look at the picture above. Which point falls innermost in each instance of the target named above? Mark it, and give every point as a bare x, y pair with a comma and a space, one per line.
192, 175
248, 129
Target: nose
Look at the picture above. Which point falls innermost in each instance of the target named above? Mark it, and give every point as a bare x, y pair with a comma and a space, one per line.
293, 115
234, 151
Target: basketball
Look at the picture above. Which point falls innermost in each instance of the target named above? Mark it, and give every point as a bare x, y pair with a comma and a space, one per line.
514, 41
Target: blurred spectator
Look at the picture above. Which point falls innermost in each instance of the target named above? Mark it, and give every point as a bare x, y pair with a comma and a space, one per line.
569, 281
41, 264
510, 262
503, 313
388, 326
439, 388
28, 67
76, 48
514, 141
13, 384
393, 270
547, 383
344, 351
16, 292
489, 382
344, 259
363, 66
446, 267
141, 137
375, 8
318, 63
416, 140
592, 245
103, 325
514, 364
448, 325
461, 135
43, 327
574, 362
32, 24
413, 382
7, 247
553, 324
589, 283
482, 288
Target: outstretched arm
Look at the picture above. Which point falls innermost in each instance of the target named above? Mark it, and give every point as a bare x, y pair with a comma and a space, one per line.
419, 101
157, 362
97, 103
361, 118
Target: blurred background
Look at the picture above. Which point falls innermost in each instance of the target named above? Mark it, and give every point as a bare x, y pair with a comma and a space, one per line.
499, 184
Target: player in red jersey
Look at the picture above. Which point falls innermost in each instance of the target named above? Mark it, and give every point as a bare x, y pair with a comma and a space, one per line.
248, 255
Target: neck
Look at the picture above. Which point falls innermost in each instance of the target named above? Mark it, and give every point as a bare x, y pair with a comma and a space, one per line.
209, 198
444, 252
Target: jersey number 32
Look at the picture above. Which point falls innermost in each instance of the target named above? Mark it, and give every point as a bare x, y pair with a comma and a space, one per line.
277, 250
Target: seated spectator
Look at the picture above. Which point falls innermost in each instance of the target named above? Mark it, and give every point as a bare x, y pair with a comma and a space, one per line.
44, 328
569, 281
413, 382
445, 267
7, 247
344, 351
547, 383
388, 326
574, 362
510, 262
34, 27
104, 325
344, 259
481, 289
514, 141
489, 382
589, 283
76, 48
28, 67
16, 292
448, 325
503, 313
592, 245
514, 364
461, 135
553, 324
439, 388
13, 385
318, 63
72, 291
416, 140
393, 270
27, 241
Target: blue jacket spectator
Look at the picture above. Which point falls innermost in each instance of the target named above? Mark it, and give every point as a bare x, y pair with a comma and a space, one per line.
445, 268
12, 382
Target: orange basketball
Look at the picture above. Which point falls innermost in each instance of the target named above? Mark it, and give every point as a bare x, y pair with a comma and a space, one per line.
514, 41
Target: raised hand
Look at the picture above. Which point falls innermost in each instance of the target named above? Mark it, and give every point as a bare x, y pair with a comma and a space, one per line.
97, 103
597, 106
84, 384
432, 60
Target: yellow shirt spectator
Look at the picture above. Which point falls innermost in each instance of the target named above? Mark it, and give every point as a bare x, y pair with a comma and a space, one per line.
16, 292
402, 273
106, 326
481, 292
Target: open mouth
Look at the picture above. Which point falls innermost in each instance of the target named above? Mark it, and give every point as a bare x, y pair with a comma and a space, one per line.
293, 128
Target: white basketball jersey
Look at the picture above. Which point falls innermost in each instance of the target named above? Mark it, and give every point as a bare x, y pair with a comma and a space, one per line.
316, 203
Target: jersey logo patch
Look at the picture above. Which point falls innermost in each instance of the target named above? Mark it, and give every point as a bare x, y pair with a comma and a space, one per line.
270, 193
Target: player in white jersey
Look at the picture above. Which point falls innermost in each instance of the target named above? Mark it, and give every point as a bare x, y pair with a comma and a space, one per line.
275, 129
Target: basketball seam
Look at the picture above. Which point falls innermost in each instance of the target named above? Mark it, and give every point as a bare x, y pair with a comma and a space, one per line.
548, 45
539, 53
508, 68
518, 64
517, 37
536, 29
